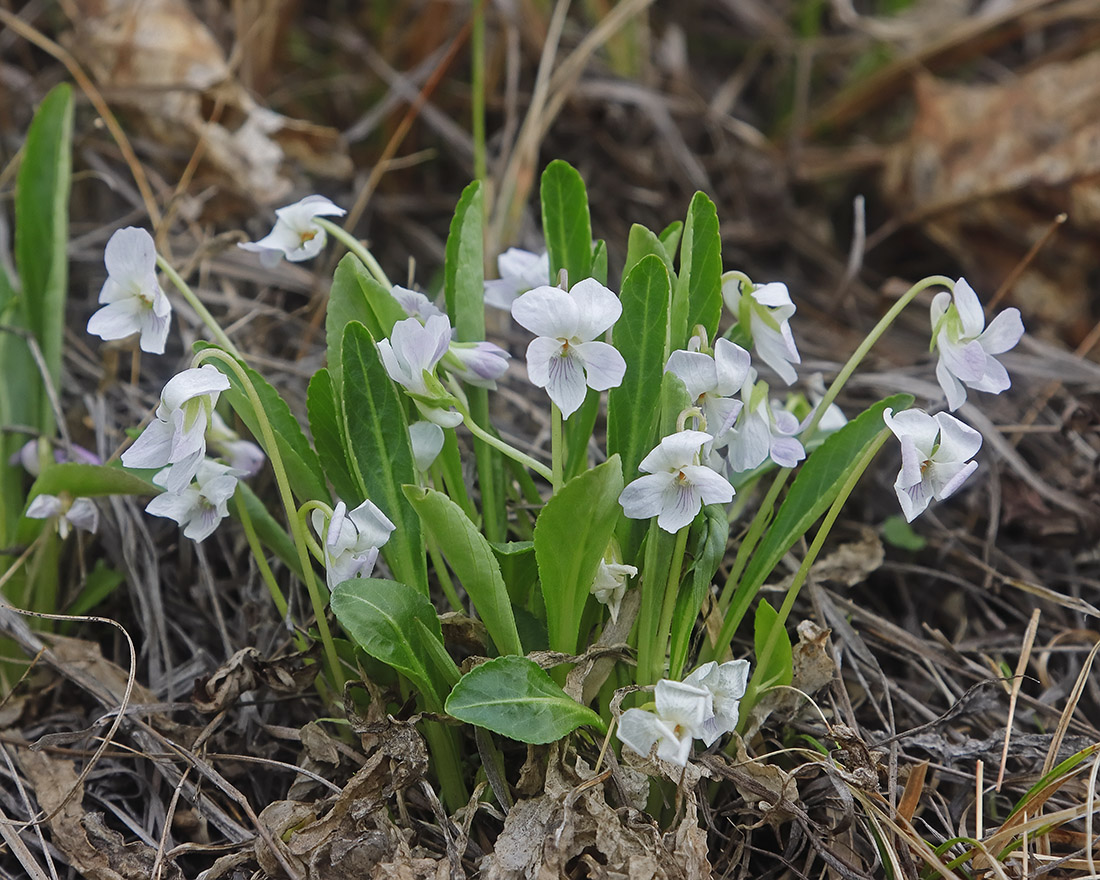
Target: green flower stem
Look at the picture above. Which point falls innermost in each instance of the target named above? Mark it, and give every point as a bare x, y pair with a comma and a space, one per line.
557, 448
440, 568
356, 247
313, 587
755, 687
668, 606
201, 310
509, 450
764, 513
303, 511
261, 562
861, 352
649, 613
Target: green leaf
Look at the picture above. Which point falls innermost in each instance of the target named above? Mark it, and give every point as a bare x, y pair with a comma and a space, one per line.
566, 224
670, 237
519, 570
578, 431
326, 424
356, 295
697, 298
473, 562
642, 243
102, 580
632, 408
380, 451
393, 623
512, 696
898, 533
712, 535
571, 535
303, 467
464, 266
91, 480
810, 495
599, 261
779, 667
42, 230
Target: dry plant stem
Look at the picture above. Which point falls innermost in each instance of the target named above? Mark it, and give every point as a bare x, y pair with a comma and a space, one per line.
195, 303
356, 247
763, 515
1017, 681
312, 586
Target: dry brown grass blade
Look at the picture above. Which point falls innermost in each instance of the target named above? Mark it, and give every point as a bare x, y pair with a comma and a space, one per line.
33, 35
1070, 708
914, 788
1017, 681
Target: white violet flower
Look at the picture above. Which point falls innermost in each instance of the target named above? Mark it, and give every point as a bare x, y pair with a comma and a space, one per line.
711, 381
676, 486
765, 313
71, 513
726, 684
967, 347
132, 298
410, 356
761, 431
427, 442
680, 712
477, 363
200, 506
935, 457
415, 303
564, 358
609, 585
177, 434
351, 540
242, 455
295, 235
519, 271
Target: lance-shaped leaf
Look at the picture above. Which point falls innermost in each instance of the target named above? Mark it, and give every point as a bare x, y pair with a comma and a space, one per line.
326, 423
356, 295
699, 285
571, 535
473, 561
566, 223
514, 697
380, 452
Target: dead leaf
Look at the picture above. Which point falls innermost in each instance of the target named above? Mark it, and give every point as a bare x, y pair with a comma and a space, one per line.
849, 564
94, 850
986, 169
246, 671
157, 58
780, 787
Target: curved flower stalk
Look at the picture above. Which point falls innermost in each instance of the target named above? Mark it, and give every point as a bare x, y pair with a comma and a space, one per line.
132, 297
177, 435
676, 486
519, 271
765, 314
295, 235
711, 381
70, 513
565, 357
761, 432
935, 457
967, 347
200, 506
350, 540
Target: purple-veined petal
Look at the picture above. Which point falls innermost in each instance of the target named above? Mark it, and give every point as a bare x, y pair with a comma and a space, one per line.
786, 451
712, 487
965, 360
645, 496
566, 383
994, 380
681, 504
539, 352
913, 499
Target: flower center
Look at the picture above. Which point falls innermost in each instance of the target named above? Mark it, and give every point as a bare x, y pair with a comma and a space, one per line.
307, 236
